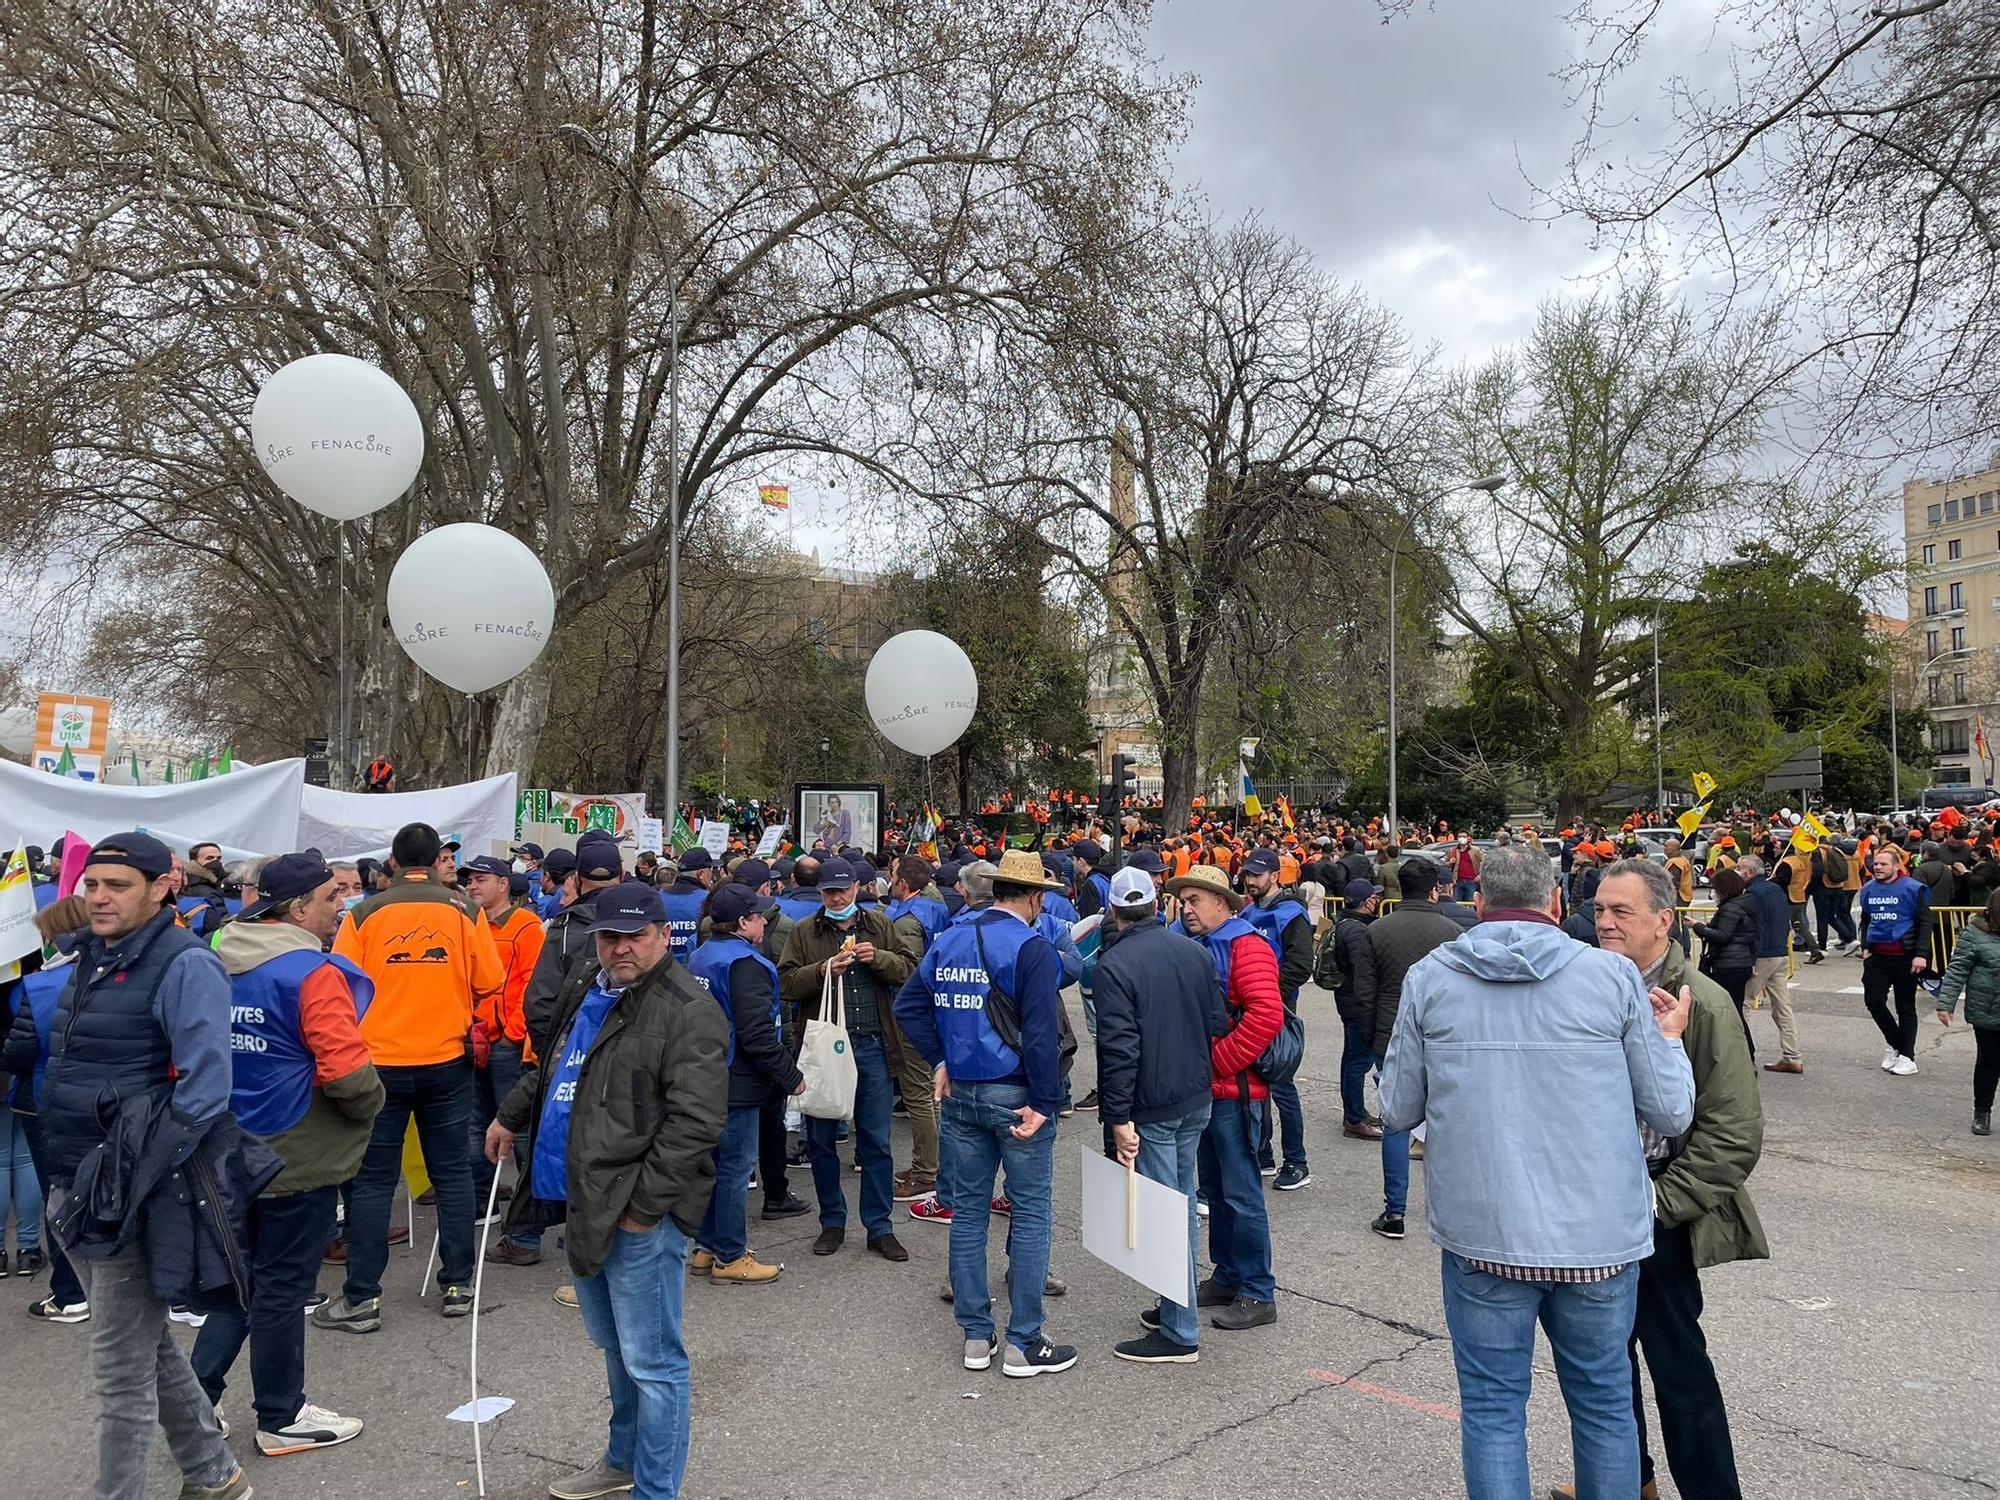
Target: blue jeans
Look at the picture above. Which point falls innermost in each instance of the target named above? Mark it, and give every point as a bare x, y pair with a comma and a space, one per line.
65, 1282
1168, 1152
1357, 1056
1395, 1159
632, 1311
489, 1086
19, 1185
287, 1234
873, 1101
1464, 890
975, 1140
1492, 1322
438, 1096
725, 1228
1239, 1230
1284, 1102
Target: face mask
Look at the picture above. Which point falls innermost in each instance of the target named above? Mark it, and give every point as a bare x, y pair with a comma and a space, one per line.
520, 867
348, 903
842, 913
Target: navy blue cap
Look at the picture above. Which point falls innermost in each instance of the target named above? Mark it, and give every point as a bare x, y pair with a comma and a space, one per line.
735, 902
517, 883
141, 851
285, 878
836, 873
558, 862
784, 867
1148, 859
485, 864
1358, 891
531, 851
696, 858
1261, 862
751, 872
1088, 850
627, 907
946, 876
597, 857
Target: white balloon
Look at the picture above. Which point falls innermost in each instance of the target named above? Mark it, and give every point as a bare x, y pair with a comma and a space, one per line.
338, 435
921, 691
471, 605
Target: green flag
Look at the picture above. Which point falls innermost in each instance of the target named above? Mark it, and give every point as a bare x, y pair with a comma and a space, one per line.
168, 779
227, 763
683, 837
65, 763
137, 779
198, 770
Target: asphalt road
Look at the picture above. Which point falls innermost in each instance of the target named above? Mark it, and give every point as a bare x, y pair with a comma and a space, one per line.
1862, 1360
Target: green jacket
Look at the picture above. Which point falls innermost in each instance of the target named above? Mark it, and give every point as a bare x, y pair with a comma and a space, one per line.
1974, 972
1703, 1187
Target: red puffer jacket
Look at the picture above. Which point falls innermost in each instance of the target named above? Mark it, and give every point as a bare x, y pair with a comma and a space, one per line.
1258, 1012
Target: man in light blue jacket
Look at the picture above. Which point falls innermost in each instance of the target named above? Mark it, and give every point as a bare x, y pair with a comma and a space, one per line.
1530, 1055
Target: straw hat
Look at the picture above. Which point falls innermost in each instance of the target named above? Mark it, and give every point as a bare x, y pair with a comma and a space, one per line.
1206, 878
1022, 867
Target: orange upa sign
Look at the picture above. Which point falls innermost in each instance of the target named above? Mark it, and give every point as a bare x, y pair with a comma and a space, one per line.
76, 723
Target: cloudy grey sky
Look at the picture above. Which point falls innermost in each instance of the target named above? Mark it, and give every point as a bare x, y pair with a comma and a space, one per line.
1395, 152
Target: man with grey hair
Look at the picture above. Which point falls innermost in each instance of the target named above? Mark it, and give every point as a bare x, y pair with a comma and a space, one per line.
976, 881
1768, 979
1529, 1054
1702, 1215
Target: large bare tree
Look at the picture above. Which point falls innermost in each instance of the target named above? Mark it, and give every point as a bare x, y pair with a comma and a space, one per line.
1845, 165
1249, 394
518, 211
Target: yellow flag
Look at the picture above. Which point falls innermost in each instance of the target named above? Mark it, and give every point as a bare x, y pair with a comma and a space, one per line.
1806, 837
1819, 830
1690, 820
1703, 785
413, 1163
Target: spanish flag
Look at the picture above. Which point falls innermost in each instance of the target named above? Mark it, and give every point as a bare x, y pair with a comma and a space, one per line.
775, 496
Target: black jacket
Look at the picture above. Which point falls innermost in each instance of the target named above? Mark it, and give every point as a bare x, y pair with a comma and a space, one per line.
1159, 1001
763, 1065
1350, 937
1465, 916
180, 1191
650, 1106
1730, 941
1396, 941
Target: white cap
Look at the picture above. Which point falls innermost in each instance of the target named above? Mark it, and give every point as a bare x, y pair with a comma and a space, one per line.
1131, 887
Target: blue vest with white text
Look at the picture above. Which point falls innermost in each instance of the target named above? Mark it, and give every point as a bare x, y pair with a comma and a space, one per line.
683, 920
271, 1078
710, 967
958, 984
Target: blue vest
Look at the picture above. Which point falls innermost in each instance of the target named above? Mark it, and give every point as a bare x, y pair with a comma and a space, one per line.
104, 1045
1056, 904
684, 920
1102, 885
958, 984
271, 1074
710, 967
1891, 909
931, 915
43, 990
549, 903
1219, 943
799, 905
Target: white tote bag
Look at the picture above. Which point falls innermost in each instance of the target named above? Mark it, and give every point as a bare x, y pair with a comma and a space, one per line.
827, 1058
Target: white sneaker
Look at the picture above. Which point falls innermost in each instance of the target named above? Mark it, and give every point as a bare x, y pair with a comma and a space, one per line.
313, 1427
220, 1420
1904, 1068
188, 1316
1889, 1056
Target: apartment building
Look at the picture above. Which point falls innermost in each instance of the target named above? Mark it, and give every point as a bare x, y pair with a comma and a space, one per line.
1951, 532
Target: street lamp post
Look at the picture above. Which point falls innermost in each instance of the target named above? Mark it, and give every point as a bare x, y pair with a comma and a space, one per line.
1895, 754
587, 142
1488, 484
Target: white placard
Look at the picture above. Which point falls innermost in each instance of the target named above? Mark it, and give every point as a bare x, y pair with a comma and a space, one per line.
1160, 1260
652, 834
768, 844
715, 837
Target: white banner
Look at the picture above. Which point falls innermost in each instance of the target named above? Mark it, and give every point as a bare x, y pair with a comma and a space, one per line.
251, 812
348, 825
715, 838
18, 936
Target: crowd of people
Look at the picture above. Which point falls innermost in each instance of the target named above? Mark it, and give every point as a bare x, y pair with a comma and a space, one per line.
619, 1053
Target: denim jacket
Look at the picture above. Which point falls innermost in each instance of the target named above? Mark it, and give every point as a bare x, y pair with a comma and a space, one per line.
1530, 1054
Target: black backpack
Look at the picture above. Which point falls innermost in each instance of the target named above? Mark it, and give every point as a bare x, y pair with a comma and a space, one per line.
1005, 1016
1832, 864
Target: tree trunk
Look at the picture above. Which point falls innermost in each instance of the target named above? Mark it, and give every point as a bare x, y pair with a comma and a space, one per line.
517, 727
